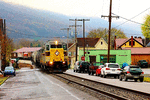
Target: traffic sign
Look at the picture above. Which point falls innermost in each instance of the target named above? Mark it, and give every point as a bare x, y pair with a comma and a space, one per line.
83, 58
12, 61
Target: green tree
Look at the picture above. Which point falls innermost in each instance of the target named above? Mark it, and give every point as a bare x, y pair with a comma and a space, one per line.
103, 33
146, 27
9, 48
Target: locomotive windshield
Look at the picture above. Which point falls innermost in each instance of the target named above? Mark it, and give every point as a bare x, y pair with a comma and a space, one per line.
56, 46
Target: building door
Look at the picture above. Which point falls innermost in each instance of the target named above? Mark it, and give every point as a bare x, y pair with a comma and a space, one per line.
92, 59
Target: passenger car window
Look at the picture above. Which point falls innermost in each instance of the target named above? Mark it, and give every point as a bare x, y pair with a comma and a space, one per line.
113, 66
135, 68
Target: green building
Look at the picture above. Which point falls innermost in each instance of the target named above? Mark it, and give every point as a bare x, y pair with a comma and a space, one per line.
116, 56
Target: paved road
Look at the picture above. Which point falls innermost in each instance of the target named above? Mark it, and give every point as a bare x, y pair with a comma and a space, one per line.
146, 70
33, 84
140, 86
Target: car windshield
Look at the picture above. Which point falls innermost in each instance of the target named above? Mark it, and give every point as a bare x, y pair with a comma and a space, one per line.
85, 63
113, 66
8, 68
97, 64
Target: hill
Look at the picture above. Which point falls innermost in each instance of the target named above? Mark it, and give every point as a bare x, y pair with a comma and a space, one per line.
24, 22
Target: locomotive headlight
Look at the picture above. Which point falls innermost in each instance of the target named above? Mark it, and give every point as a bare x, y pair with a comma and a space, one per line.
56, 53
51, 62
63, 62
56, 42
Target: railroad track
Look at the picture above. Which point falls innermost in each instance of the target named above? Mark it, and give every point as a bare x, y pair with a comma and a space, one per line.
102, 90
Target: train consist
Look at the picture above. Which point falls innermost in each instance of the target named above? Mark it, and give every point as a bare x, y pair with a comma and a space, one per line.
52, 57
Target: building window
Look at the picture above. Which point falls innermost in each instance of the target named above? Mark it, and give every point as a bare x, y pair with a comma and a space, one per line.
101, 43
133, 43
69, 53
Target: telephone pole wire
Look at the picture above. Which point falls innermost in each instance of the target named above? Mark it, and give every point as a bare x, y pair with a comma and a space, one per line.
109, 29
75, 32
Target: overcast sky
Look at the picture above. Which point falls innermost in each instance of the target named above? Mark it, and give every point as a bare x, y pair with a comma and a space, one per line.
91, 8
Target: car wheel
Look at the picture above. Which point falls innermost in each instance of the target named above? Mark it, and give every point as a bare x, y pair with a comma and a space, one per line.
135, 80
4, 75
100, 75
73, 70
14, 74
125, 78
96, 74
89, 72
114, 76
92, 73
79, 71
83, 71
120, 78
141, 80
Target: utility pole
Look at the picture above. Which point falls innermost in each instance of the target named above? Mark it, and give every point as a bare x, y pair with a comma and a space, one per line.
1, 37
109, 29
75, 32
3, 43
84, 32
67, 36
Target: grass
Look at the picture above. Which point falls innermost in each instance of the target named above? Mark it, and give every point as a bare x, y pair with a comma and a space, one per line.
3, 79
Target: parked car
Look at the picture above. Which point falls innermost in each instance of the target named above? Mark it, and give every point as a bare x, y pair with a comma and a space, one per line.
98, 70
9, 70
83, 67
132, 72
142, 63
76, 66
110, 69
93, 67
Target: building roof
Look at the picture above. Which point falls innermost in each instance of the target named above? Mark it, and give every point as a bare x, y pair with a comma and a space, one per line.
148, 45
69, 44
27, 49
90, 41
144, 50
120, 42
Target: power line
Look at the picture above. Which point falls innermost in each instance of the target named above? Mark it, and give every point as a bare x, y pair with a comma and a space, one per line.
127, 20
132, 17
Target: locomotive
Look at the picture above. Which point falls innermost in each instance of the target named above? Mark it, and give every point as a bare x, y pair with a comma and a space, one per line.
52, 57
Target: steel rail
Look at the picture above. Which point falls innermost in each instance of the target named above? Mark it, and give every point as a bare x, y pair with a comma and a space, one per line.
94, 89
118, 87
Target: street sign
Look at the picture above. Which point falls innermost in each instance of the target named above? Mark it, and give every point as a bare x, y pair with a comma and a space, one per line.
12, 61
83, 58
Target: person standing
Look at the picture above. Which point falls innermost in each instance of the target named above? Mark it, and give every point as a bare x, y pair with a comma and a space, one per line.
124, 64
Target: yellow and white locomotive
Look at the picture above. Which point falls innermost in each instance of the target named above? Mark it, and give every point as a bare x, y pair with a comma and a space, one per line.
54, 56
